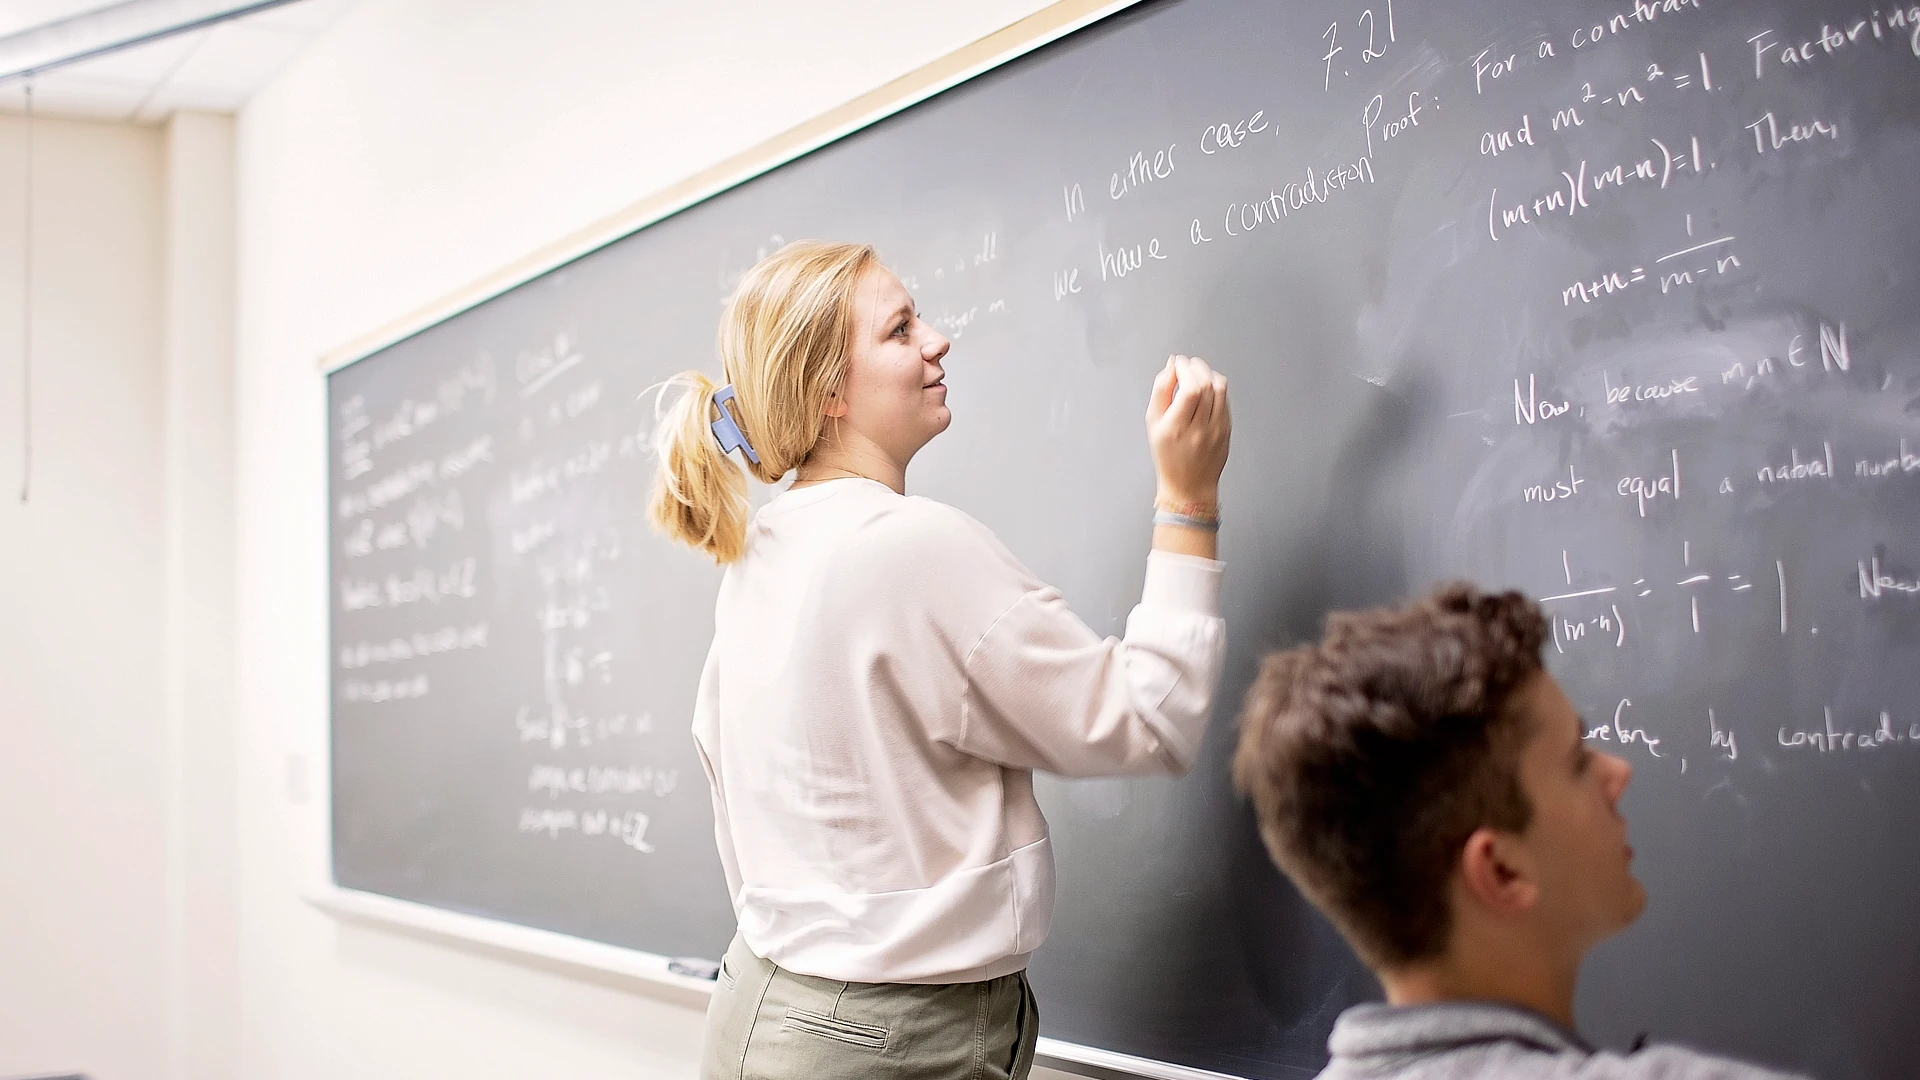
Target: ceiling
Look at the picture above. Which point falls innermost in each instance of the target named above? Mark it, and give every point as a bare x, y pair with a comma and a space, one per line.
211, 70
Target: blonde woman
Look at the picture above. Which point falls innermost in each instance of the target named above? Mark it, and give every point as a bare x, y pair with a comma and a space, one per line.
885, 676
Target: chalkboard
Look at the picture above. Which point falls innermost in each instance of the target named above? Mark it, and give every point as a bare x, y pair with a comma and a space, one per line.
1613, 302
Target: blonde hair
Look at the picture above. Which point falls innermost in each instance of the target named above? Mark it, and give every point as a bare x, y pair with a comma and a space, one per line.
785, 343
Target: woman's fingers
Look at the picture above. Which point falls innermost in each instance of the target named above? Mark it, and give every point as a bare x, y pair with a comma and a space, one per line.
1189, 436
1162, 395
1202, 378
1187, 398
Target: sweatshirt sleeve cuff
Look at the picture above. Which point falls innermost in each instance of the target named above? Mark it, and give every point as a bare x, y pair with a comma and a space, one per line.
1182, 583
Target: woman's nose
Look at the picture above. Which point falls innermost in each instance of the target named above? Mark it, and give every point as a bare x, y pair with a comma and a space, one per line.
935, 349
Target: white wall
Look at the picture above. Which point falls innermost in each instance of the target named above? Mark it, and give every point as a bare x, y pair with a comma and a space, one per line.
417, 146
82, 908
202, 886
116, 848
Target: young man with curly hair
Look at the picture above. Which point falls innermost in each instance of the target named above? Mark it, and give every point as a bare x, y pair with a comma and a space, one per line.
1424, 782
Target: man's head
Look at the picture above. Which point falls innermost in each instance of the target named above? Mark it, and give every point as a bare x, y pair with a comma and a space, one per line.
1424, 782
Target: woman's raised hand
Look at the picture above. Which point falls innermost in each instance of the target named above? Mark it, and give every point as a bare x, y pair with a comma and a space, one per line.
1188, 428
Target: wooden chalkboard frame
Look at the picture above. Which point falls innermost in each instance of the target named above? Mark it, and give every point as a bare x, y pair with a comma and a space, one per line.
579, 956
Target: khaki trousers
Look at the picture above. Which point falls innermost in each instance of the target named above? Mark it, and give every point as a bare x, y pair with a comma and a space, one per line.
767, 1023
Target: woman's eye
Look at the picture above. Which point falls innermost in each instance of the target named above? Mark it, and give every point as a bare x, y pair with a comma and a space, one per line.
900, 331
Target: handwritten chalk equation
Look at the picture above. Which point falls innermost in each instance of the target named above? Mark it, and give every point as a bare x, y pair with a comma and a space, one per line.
560, 727
418, 645
1692, 582
1590, 103
553, 781
1589, 184
459, 581
1708, 259
628, 828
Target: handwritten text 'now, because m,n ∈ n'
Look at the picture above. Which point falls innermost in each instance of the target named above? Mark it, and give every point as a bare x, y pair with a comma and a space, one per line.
1529, 408
1835, 356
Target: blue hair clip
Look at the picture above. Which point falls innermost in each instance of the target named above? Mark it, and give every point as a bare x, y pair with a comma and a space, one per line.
727, 430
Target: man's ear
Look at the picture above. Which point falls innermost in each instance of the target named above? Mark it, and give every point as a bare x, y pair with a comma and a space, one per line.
1497, 872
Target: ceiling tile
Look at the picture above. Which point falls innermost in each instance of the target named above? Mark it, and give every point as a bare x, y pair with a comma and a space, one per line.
304, 17
147, 63
214, 70
18, 15
173, 97
237, 56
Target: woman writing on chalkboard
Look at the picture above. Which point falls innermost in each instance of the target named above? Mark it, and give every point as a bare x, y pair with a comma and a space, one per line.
885, 676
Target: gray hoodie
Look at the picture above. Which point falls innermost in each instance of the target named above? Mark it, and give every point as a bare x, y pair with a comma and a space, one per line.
1477, 1040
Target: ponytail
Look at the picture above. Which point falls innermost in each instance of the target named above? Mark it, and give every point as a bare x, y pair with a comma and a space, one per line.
785, 342
699, 495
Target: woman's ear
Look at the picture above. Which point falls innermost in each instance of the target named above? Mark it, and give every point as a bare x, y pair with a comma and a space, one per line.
836, 406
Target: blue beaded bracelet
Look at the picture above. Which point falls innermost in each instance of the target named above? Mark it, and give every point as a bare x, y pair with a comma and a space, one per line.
1168, 517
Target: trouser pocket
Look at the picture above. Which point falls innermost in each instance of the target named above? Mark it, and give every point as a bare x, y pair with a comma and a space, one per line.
827, 1027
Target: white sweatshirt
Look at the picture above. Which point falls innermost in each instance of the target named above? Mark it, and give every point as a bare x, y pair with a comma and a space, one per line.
884, 677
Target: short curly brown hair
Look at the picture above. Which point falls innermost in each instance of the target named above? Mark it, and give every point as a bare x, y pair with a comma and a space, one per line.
1372, 756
